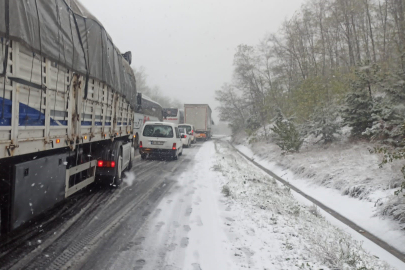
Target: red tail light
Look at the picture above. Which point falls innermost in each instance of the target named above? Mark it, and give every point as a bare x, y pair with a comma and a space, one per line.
185, 136
106, 164
192, 132
174, 146
140, 144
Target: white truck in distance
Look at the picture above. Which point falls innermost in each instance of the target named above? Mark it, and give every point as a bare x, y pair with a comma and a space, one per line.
199, 115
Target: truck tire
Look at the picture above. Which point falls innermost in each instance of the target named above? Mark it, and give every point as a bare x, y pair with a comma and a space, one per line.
136, 143
118, 170
132, 158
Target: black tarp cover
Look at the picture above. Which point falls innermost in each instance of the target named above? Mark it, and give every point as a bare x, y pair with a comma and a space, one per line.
64, 31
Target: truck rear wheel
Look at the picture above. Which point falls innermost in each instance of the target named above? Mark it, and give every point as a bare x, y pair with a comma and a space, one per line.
118, 170
132, 158
136, 143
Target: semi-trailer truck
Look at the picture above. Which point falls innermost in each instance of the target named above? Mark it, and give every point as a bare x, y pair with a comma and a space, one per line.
199, 115
67, 104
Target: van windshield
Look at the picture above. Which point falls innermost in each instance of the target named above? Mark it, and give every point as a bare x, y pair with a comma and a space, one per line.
188, 128
161, 131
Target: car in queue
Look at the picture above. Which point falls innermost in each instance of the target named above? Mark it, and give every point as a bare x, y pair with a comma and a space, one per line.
186, 139
189, 131
160, 139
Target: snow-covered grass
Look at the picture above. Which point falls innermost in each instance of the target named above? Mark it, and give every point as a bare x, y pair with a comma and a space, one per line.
290, 234
344, 165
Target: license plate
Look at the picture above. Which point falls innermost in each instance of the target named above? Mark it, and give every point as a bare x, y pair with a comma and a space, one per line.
156, 143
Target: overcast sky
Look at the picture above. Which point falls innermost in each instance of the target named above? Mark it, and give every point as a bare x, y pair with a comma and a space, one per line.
187, 46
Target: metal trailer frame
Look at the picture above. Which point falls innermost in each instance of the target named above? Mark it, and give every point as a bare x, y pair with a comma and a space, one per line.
103, 115
45, 113
58, 99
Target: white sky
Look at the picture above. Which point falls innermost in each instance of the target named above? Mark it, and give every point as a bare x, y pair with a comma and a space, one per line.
187, 46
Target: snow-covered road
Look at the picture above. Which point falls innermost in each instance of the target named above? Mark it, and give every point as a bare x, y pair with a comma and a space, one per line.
211, 209
224, 213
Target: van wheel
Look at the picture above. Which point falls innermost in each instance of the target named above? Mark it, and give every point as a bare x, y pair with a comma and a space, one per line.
175, 157
143, 156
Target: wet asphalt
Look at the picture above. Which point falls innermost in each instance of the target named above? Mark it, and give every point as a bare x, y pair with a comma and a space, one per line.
90, 228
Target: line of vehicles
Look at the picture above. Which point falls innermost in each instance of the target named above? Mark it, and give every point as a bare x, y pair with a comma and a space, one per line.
170, 136
69, 110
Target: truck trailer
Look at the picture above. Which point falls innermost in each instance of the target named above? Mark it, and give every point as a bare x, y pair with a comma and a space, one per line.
67, 104
199, 115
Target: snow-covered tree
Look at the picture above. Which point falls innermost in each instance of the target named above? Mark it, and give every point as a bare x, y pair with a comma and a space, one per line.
287, 136
358, 109
388, 110
357, 112
386, 124
324, 124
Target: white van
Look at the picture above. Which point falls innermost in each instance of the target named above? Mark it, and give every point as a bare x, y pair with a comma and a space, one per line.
189, 131
160, 139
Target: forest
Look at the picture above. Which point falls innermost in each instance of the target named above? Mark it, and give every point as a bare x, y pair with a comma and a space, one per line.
335, 64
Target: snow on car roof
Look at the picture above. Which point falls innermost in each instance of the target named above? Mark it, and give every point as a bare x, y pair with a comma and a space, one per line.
161, 123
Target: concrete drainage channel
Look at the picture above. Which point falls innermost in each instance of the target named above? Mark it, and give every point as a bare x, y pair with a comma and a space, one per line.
392, 250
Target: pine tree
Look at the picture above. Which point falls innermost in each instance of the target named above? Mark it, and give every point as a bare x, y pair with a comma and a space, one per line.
386, 124
287, 136
388, 111
324, 124
357, 112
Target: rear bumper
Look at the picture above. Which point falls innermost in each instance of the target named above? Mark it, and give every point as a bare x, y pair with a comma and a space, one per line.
157, 152
200, 135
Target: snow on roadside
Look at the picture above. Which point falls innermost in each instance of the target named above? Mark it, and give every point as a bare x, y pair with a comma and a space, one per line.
271, 230
361, 212
345, 166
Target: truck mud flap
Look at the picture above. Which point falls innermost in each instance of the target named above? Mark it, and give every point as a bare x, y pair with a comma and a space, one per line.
38, 185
